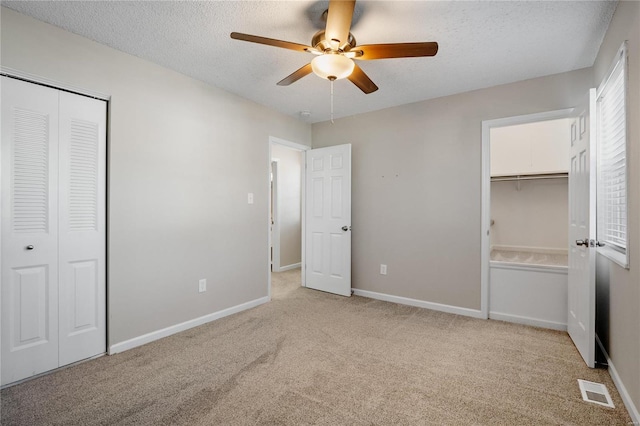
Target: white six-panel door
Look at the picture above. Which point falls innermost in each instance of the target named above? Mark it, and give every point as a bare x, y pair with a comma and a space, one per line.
53, 228
581, 291
328, 219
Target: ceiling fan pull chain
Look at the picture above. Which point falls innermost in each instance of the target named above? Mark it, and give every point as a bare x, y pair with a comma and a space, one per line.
331, 101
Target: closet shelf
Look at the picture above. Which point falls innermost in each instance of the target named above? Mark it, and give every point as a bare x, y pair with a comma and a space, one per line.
517, 178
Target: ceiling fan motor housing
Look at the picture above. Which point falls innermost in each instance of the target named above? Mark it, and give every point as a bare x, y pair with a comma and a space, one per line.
320, 42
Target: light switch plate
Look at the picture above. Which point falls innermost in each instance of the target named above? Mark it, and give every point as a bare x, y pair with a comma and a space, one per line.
202, 285
250, 198
383, 269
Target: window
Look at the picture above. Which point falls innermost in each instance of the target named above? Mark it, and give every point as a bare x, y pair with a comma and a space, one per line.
612, 161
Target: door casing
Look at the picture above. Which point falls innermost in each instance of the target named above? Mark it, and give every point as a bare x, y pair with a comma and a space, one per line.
485, 221
275, 220
303, 149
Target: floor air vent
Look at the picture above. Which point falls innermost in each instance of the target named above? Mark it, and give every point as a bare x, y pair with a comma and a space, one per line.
595, 392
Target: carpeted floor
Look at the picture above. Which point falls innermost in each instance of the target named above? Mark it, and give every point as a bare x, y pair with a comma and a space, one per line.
313, 358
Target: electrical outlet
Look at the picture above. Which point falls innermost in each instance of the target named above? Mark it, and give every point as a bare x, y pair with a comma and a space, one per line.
383, 269
202, 285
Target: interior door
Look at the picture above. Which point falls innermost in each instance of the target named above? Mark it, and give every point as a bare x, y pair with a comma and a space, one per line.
328, 219
82, 211
29, 229
581, 291
53, 225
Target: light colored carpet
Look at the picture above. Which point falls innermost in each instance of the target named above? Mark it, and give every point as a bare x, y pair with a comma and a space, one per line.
313, 358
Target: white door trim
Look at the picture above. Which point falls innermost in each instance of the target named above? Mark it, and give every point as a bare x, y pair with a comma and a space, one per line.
485, 221
54, 84
275, 209
303, 177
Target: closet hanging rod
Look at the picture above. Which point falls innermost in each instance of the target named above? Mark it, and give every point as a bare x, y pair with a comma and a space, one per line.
529, 177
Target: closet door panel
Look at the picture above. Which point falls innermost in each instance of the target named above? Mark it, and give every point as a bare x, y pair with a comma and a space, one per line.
29, 181
82, 227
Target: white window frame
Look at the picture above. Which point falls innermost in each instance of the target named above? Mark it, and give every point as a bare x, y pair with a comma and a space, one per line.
617, 254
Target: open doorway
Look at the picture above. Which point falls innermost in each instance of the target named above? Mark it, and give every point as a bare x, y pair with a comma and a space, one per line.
286, 212
525, 218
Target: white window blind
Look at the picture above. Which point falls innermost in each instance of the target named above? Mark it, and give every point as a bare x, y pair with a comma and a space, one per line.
612, 158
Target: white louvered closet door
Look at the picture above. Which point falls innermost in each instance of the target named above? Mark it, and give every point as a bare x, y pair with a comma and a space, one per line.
82, 227
53, 229
29, 229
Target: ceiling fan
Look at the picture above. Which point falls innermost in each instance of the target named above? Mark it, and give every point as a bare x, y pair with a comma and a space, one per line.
335, 48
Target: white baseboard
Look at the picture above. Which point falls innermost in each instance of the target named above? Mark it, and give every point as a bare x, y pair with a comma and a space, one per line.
288, 267
419, 303
622, 390
528, 321
159, 334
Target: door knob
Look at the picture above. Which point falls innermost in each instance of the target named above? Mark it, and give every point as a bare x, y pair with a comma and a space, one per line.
346, 228
599, 244
29, 247
582, 243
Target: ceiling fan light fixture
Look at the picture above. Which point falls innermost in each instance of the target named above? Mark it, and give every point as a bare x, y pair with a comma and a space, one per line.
336, 47
332, 66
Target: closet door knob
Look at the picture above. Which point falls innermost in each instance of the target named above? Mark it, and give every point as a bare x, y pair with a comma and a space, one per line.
29, 247
582, 243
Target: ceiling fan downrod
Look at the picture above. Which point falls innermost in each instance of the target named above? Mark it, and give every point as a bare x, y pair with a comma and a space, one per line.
332, 80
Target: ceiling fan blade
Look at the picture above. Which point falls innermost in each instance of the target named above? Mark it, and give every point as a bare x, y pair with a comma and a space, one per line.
270, 42
296, 75
360, 79
339, 22
396, 50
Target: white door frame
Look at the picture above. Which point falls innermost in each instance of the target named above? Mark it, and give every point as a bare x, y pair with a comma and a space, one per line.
55, 84
275, 212
485, 221
303, 176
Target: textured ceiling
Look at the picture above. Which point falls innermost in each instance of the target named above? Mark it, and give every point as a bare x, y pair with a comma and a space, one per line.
482, 44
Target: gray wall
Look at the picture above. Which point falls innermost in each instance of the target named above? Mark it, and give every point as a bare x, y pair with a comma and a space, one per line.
289, 181
533, 216
620, 331
417, 180
183, 156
